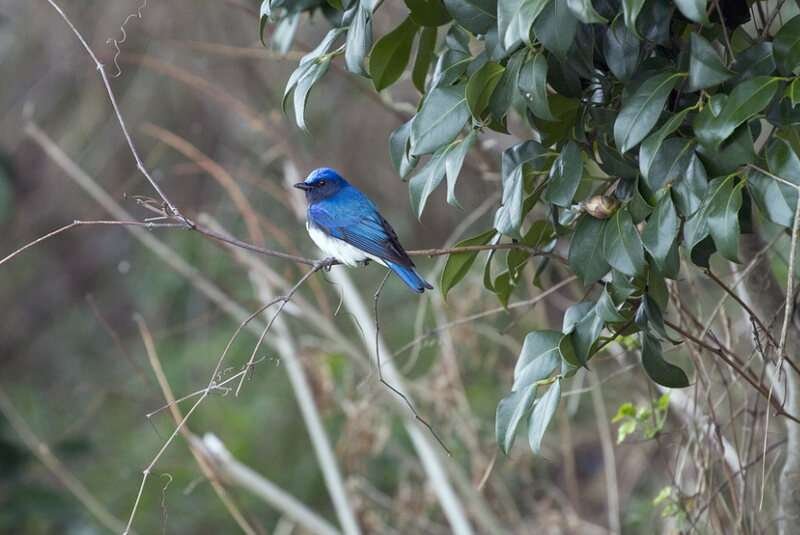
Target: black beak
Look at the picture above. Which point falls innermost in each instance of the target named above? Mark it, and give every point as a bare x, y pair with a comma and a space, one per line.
303, 186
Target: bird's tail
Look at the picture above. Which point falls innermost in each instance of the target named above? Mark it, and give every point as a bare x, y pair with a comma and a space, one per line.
410, 277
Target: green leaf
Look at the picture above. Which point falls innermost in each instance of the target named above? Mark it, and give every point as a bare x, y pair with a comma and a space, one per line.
515, 18
745, 101
428, 179
650, 146
538, 359
264, 14
691, 189
793, 92
481, 86
694, 10
723, 215
510, 412
630, 12
453, 164
661, 230
442, 116
303, 88
621, 50
705, 66
777, 200
640, 112
459, 264
477, 16
508, 217
565, 175
429, 13
758, 60
543, 412
606, 310
507, 87
585, 12
359, 40
585, 250
390, 54
786, 46
669, 163
695, 229
622, 247
555, 28
427, 42
532, 83
586, 331
658, 369
398, 149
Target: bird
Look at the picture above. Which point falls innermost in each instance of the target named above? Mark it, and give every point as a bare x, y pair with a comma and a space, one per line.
346, 225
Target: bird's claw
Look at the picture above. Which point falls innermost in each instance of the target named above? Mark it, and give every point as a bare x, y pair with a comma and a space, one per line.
326, 264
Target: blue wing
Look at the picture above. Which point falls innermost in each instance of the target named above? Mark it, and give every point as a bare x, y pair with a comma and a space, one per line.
355, 220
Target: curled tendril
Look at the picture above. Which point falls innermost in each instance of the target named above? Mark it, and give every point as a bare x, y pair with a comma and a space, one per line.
116, 42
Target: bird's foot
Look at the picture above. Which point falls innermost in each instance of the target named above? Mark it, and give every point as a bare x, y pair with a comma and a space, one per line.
326, 263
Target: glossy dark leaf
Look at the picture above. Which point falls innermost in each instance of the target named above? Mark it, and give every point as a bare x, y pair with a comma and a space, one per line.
606, 309
746, 100
442, 116
585, 250
694, 10
359, 40
515, 18
758, 60
508, 217
543, 412
422, 64
480, 87
555, 28
621, 50
538, 359
428, 179
454, 162
641, 111
510, 412
630, 12
398, 149
776, 199
622, 247
786, 46
532, 83
669, 163
658, 369
477, 16
507, 86
565, 176
724, 202
458, 264
429, 13
705, 66
389, 57
585, 11
651, 145
661, 230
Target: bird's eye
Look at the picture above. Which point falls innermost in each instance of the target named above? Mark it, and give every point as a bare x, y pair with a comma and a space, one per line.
321, 183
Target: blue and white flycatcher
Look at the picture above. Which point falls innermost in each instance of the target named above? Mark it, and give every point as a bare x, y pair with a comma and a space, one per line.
347, 226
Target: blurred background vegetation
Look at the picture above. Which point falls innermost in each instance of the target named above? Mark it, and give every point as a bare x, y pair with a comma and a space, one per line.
202, 98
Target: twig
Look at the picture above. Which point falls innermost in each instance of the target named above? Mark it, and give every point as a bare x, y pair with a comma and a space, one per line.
788, 307
78, 223
54, 465
220, 490
609, 460
101, 69
323, 264
376, 300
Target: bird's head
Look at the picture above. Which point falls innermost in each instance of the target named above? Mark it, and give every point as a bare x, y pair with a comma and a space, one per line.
321, 184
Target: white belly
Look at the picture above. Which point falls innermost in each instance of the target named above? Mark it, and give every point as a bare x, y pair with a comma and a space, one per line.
340, 250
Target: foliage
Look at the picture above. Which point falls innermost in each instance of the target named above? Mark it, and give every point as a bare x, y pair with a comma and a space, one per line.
650, 419
646, 108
